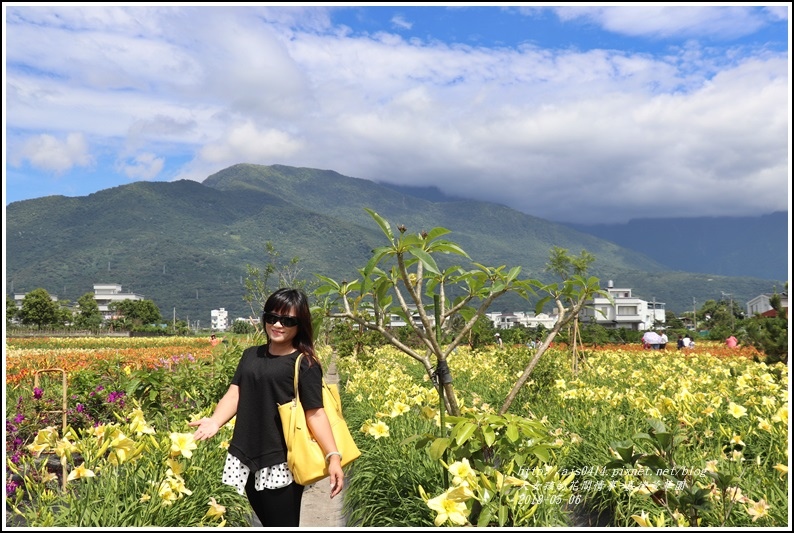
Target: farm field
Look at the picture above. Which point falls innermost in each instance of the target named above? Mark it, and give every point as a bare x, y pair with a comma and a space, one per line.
708, 425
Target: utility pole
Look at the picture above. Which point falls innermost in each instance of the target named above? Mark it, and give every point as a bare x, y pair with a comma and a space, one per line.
730, 310
694, 315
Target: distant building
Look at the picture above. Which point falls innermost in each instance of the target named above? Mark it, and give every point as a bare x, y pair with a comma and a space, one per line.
219, 319
623, 311
507, 320
19, 297
107, 293
760, 304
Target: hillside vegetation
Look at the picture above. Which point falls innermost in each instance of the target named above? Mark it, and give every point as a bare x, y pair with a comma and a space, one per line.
185, 245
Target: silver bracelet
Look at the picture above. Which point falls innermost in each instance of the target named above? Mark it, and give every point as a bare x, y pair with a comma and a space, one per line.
329, 454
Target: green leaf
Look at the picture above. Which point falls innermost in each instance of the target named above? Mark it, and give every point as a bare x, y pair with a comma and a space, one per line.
384, 225
489, 435
427, 260
463, 432
512, 432
438, 448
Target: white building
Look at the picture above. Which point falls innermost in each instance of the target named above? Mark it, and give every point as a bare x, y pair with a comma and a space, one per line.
513, 319
108, 293
623, 311
219, 319
760, 304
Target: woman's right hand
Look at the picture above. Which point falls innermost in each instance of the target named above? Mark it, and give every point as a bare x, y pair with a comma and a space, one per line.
207, 428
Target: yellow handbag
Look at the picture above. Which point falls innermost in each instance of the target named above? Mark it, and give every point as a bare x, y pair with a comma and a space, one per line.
305, 457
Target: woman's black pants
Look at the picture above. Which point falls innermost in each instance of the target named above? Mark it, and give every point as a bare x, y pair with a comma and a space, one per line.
276, 507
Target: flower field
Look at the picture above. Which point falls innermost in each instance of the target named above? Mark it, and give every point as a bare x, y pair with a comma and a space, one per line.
707, 431
635, 438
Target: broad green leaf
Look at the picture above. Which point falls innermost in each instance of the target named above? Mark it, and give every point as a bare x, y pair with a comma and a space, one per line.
384, 225
464, 432
438, 448
427, 260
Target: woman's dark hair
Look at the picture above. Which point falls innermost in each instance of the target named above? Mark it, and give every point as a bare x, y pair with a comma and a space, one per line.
285, 301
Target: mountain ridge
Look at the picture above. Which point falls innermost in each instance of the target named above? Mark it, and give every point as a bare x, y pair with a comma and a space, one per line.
186, 244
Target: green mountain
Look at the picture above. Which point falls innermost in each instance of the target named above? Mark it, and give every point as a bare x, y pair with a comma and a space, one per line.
732, 246
185, 245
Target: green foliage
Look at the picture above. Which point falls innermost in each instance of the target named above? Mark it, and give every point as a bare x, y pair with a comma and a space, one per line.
39, 309
88, 314
770, 334
258, 286
481, 334
126, 475
242, 327
383, 490
157, 250
11, 309
138, 312
675, 487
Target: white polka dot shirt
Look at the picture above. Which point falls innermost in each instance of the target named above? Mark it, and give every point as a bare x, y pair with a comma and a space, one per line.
236, 474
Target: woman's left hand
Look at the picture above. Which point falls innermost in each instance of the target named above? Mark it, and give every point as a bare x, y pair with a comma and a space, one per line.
337, 477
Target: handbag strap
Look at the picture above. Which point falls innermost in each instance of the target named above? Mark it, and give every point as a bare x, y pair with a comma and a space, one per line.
295, 381
297, 371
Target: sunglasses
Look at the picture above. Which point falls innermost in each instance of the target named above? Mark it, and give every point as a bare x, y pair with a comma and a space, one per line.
286, 321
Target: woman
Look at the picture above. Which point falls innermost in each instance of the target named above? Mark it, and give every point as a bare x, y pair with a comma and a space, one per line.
257, 460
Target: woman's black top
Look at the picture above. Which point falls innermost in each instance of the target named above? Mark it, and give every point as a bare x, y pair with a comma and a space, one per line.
265, 381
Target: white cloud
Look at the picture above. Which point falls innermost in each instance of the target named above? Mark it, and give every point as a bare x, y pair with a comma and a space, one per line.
668, 21
245, 143
590, 135
47, 152
143, 167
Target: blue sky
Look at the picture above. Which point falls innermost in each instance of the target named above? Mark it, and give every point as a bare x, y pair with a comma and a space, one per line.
587, 113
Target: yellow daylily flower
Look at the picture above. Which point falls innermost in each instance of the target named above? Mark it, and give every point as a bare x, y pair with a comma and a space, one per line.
144, 498
736, 410
758, 509
45, 439
215, 510
451, 506
428, 412
379, 429
138, 423
398, 409
79, 472
783, 469
734, 494
461, 470
781, 415
175, 468
182, 444
642, 519
763, 424
122, 448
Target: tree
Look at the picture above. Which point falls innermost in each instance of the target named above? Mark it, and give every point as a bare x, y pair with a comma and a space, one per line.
257, 281
565, 266
64, 315
11, 309
404, 279
569, 297
39, 309
242, 327
770, 334
88, 314
672, 321
138, 312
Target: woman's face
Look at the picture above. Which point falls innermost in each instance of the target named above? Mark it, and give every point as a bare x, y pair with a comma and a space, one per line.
278, 333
